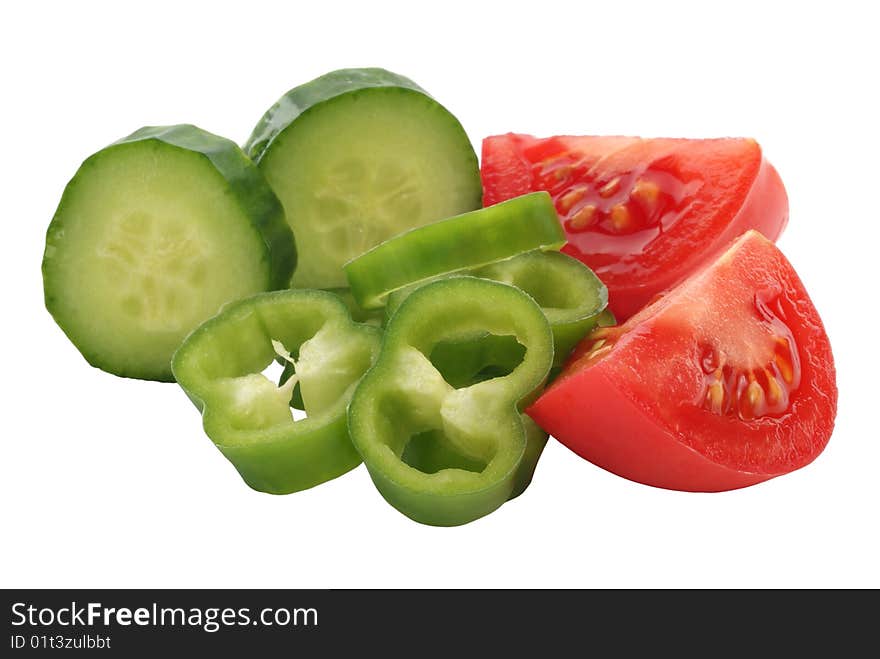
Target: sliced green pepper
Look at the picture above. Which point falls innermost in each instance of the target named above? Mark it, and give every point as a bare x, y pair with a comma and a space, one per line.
462, 242
441, 455
367, 316
570, 295
247, 416
358, 313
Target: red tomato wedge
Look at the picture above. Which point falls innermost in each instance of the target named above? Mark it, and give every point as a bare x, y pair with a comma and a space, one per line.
642, 213
726, 381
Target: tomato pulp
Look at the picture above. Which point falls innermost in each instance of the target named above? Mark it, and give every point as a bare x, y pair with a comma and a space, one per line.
642, 213
726, 381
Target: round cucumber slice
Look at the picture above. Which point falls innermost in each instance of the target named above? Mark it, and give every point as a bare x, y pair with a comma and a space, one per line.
357, 156
152, 236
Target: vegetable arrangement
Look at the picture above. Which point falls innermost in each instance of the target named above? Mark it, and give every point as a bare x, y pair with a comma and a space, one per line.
436, 340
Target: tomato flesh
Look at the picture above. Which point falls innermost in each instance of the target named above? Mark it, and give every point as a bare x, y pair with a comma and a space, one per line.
726, 381
642, 213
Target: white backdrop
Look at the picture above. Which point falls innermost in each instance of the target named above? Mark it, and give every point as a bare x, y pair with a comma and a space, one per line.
110, 483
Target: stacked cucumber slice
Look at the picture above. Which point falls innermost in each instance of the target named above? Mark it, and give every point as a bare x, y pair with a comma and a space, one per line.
159, 230
357, 156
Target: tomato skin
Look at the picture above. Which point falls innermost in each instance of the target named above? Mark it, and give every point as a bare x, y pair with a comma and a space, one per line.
640, 411
612, 431
739, 190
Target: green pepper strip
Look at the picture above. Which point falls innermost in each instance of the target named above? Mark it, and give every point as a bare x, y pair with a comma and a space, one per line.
570, 295
441, 455
458, 243
247, 416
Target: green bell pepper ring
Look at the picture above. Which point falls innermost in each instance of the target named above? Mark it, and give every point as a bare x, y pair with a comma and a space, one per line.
571, 296
441, 455
463, 363
457, 243
247, 416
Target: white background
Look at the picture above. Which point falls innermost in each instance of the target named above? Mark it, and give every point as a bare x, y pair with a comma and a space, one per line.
110, 483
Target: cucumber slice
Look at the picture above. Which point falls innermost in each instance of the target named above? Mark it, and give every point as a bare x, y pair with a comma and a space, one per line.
357, 156
152, 236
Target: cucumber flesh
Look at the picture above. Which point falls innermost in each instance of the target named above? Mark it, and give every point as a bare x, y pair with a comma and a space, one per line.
356, 157
151, 238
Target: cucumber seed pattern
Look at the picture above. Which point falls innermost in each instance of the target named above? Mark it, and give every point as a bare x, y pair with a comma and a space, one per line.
359, 206
154, 261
